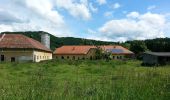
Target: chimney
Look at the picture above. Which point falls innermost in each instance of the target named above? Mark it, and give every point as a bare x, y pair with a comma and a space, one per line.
45, 39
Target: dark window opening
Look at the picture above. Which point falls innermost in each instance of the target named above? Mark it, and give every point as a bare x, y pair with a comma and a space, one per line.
113, 57
91, 57
2, 58
68, 57
12, 59
74, 57
62, 57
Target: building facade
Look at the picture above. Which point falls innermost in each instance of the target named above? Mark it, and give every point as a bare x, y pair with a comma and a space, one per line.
19, 48
75, 52
89, 52
156, 58
117, 52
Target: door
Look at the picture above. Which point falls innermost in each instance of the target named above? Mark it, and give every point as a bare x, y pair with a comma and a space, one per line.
12, 59
2, 58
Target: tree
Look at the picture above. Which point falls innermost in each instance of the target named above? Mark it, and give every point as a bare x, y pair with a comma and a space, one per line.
138, 47
99, 53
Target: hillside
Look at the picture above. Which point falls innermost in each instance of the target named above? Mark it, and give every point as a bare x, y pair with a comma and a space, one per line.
59, 41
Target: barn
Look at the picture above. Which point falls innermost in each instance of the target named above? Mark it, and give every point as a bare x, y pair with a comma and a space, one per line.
75, 52
156, 58
118, 52
20, 48
89, 52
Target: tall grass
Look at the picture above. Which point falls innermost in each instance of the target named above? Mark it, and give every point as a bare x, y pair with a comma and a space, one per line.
77, 80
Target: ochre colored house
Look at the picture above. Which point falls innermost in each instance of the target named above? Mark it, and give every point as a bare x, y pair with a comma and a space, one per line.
19, 48
89, 52
75, 52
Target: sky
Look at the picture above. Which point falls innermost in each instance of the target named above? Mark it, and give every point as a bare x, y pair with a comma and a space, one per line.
106, 20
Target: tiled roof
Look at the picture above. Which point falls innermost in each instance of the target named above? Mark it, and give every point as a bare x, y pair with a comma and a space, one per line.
18, 41
73, 50
163, 54
115, 49
84, 49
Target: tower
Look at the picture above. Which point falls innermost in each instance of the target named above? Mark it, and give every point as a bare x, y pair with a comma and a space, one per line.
45, 39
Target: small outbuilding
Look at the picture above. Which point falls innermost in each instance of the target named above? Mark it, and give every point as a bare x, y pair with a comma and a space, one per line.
156, 58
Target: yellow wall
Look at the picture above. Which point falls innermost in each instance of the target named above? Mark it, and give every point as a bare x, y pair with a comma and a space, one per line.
25, 55
117, 57
40, 56
89, 55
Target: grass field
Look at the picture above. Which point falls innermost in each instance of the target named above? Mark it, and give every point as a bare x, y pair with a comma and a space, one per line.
84, 80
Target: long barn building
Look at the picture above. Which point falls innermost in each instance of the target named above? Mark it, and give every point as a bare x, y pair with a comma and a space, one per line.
89, 52
20, 48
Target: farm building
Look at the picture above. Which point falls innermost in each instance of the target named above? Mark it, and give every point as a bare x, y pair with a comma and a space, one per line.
118, 52
89, 52
156, 58
19, 48
75, 52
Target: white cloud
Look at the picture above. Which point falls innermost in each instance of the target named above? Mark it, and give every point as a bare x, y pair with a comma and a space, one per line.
151, 7
116, 6
139, 26
91, 31
92, 8
78, 10
133, 15
108, 14
32, 15
5, 28
101, 2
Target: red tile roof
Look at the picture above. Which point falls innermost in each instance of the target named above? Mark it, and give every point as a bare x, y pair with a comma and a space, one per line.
66, 50
18, 41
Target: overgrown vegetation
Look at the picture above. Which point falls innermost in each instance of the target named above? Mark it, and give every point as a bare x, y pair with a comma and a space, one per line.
72, 80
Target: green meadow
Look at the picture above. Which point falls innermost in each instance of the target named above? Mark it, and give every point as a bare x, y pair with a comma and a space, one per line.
84, 80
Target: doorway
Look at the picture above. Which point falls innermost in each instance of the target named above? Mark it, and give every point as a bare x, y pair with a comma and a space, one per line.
2, 58
12, 59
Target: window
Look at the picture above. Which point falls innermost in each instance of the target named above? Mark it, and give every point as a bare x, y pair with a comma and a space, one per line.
91, 57
56, 57
2, 58
68, 57
12, 59
74, 57
37, 57
113, 57
62, 57
34, 57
